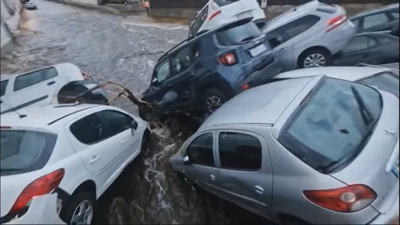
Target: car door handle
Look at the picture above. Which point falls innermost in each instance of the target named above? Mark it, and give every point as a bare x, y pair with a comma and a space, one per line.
212, 177
259, 189
123, 141
51, 83
94, 159
282, 49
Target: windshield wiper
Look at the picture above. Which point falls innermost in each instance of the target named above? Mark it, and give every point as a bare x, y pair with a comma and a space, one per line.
326, 168
247, 39
365, 113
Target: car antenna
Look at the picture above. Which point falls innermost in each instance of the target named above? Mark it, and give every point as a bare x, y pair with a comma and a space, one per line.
15, 111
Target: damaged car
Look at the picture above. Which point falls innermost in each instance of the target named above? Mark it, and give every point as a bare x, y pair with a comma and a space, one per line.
316, 132
50, 85
57, 160
203, 72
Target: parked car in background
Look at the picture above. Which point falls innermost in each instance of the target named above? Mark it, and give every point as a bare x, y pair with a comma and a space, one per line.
370, 48
308, 35
210, 68
375, 76
49, 85
30, 5
382, 19
73, 151
217, 13
318, 133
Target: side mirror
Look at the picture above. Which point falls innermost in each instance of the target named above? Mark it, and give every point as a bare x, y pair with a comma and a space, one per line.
134, 125
186, 160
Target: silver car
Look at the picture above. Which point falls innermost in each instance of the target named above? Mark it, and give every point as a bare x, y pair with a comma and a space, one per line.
312, 150
308, 35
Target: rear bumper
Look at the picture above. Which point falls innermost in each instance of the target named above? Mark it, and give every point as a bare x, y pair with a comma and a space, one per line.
390, 217
42, 210
259, 77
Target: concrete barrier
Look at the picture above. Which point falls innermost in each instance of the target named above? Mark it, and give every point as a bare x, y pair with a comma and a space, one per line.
270, 12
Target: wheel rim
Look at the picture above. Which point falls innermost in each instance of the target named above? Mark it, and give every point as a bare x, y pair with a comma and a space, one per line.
83, 213
213, 103
314, 60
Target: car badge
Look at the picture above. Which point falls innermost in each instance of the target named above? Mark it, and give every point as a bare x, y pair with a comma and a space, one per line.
390, 132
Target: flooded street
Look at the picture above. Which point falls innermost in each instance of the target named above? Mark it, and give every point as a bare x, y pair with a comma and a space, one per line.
123, 49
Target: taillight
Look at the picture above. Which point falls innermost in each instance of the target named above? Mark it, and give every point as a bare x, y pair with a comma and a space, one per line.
214, 15
335, 22
41, 186
348, 199
227, 59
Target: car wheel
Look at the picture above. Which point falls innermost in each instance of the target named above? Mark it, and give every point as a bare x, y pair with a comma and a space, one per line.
79, 209
313, 58
213, 99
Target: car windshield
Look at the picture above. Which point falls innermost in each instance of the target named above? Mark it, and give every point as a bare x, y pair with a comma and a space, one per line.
238, 34
333, 124
25, 151
386, 81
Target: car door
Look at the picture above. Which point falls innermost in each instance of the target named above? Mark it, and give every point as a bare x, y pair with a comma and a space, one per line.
245, 174
201, 169
4, 90
95, 147
33, 89
361, 49
376, 22
119, 126
282, 49
183, 64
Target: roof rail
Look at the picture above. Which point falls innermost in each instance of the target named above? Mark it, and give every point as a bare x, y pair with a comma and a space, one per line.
180, 43
375, 66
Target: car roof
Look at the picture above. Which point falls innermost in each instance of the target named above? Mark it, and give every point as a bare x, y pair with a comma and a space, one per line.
376, 10
344, 73
42, 116
260, 105
59, 67
291, 14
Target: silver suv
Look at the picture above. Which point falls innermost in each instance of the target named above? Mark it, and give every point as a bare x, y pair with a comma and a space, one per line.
308, 35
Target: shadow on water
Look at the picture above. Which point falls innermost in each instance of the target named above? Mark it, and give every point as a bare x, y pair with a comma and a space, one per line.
149, 192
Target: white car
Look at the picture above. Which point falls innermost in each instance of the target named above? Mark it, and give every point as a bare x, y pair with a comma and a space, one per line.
219, 12
40, 87
73, 151
378, 77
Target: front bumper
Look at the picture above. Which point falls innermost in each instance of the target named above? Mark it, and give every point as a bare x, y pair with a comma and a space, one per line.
259, 77
42, 210
390, 217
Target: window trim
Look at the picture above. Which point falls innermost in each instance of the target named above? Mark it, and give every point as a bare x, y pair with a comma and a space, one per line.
29, 73
105, 124
260, 138
190, 141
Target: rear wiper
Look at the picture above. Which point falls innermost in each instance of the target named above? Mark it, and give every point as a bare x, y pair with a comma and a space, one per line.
326, 168
247, 39
9, 169
365, 113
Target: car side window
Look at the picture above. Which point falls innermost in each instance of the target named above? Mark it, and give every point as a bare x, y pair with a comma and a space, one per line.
375, 20
184, 58
275, 38
89, 130
162, 71
29, 79
300, 25
238, 151
3, 87
356, 23
360, 43
395, 13
200, 150
116, 122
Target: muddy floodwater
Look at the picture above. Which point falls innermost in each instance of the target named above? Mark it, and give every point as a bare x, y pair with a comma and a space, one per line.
123, 49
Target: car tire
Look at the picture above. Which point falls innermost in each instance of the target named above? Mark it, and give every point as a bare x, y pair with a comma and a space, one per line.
212, 100
317, 57
70, 211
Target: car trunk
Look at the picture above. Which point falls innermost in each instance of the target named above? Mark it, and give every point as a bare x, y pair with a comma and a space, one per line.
375, 164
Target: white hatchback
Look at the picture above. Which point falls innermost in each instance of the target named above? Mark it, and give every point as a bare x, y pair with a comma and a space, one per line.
57, 160
38, 87
219, 12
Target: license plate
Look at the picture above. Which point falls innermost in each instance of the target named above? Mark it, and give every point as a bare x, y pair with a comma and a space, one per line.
395, 169
258, 50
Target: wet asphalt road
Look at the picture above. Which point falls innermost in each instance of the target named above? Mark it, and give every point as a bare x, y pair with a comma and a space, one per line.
123, 49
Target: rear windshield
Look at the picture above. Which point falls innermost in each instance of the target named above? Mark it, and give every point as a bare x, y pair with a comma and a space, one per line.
224, 2
386, 81
333, 125
238, 34
25, 151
